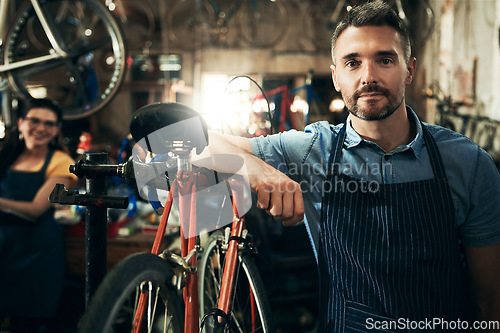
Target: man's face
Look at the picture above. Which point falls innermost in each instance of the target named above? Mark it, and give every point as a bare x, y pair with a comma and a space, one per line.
370, 71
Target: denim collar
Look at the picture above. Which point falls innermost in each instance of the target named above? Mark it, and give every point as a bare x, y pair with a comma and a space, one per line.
415, 146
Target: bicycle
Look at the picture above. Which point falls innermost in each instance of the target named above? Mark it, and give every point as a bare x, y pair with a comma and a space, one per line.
480, 129
56, 46
137, 20
330, 13
194, 23
142, 293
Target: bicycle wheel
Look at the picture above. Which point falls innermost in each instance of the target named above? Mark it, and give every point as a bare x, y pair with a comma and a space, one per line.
113, 306
137, 20
247, 281
190, 23
87, 32
262, 23
320, 21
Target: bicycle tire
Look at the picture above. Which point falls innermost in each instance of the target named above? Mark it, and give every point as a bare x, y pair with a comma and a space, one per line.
210, 275
318, 27
264, 25
87, 32
111, 309
137, 19
190, 23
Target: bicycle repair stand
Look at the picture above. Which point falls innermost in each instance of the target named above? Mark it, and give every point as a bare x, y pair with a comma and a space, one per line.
95, 170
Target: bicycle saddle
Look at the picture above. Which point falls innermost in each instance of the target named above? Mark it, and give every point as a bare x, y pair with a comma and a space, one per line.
162, 123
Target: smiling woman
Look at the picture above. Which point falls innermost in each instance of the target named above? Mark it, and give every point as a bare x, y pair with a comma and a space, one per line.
32, 161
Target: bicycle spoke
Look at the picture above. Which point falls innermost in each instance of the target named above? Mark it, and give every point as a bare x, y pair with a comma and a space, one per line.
149, 307
56, 40
190, 23
90, 47
211, 296
247, 287
236, 301
88, 34
220, 263
39, 68
137, 20
115, 303
237, 323
76, 79
262, 22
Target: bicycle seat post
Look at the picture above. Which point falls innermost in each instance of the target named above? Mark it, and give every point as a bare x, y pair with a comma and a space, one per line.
182, 150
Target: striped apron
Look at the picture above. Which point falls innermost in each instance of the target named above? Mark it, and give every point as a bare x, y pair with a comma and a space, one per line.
389, 252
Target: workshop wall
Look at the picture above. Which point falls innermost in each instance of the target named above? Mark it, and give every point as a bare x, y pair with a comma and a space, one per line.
456, 42
462, 70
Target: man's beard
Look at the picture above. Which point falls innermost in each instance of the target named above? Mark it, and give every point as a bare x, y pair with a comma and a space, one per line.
384, 112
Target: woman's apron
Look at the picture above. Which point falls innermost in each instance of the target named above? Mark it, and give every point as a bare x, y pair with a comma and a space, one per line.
31, 254
389, 252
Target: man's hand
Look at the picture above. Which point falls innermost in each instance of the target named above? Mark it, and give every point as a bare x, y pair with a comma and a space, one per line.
278, 195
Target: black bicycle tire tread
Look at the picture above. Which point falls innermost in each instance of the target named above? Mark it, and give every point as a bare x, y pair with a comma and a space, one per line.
259, 290
252, 274
214, 237
118, 281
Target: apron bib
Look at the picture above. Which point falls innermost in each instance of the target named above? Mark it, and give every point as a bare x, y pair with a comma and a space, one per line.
389, 251
31, 254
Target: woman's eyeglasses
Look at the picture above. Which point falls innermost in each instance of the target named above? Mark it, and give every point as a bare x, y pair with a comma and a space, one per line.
36, 121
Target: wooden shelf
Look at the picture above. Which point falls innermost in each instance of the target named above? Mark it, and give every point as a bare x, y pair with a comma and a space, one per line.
118, 249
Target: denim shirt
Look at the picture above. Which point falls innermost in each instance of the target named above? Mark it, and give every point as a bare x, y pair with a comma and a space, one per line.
473, 177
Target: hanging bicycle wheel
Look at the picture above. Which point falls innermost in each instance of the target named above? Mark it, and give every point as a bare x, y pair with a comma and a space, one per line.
320, 21
190, 23
262, 23
250, 306
112, 308
88, 35
137, 19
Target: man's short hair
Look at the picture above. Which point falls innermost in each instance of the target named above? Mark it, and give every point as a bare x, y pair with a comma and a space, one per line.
376, 13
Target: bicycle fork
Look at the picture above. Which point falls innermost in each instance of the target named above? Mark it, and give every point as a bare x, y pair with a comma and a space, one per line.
143, 298
185, 188
230, 267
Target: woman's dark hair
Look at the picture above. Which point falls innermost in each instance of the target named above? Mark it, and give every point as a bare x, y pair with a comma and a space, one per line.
43, 103
13, 146
376, 13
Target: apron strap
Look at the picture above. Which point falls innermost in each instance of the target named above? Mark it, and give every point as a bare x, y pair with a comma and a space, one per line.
334, 159
432, 148
47, 161
434, 155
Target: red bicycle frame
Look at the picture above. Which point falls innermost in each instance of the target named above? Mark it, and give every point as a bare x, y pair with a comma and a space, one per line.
185, 187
